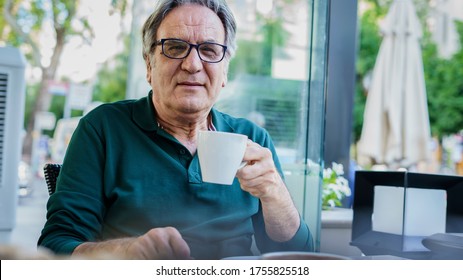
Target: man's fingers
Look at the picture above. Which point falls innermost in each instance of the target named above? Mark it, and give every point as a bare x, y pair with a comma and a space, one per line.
168, 243
180, 248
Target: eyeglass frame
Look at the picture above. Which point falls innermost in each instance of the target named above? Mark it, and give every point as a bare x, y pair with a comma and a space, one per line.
196, 46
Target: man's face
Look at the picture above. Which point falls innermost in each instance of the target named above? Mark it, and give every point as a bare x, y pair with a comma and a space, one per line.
189, 85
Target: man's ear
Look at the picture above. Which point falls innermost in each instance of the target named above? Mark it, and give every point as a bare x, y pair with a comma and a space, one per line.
148, 70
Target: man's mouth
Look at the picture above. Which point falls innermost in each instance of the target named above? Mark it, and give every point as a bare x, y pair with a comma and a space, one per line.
190, 84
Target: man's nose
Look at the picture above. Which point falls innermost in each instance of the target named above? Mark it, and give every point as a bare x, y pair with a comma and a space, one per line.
192, 63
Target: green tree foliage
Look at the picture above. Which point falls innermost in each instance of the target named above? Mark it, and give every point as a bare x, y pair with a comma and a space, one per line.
254, 56
22, 25
26, 22
444, 85
112, 78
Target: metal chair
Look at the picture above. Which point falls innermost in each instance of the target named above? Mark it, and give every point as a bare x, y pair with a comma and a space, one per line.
51, 172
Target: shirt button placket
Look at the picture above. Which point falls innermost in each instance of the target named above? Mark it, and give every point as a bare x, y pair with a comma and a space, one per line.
184, 157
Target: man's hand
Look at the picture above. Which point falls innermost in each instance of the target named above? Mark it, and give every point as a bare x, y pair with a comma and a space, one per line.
158, 243
261, 179
259, 176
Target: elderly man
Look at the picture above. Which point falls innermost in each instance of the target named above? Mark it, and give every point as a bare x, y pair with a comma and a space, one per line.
130, 184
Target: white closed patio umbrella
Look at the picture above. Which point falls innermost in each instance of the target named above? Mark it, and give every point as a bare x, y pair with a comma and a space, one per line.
396, 127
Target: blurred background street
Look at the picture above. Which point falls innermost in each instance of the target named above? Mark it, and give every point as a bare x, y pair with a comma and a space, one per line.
30, 215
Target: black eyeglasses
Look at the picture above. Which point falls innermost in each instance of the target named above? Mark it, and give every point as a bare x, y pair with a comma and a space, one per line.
179, 49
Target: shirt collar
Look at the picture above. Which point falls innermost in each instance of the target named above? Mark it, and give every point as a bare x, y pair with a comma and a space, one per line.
220, 121
144, 115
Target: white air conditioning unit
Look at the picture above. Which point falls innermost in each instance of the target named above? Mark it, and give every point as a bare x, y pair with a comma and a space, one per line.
12, 100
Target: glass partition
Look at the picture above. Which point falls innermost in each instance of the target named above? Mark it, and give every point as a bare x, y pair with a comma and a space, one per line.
277, 79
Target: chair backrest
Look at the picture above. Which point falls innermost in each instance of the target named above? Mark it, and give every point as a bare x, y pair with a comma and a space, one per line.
51, 172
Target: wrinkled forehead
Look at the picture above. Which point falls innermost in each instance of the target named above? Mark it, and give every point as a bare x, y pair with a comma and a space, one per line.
193, 23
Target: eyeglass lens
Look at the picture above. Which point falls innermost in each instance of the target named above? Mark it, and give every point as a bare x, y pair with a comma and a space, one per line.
209, 52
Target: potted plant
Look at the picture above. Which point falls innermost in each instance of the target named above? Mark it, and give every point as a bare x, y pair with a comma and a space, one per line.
335, 186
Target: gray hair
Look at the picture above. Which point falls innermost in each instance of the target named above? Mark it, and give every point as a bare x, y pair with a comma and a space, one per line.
163, 7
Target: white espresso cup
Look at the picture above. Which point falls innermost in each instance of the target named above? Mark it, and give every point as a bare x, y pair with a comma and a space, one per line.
220, 155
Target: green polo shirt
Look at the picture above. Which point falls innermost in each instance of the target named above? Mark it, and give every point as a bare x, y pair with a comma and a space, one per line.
122, 175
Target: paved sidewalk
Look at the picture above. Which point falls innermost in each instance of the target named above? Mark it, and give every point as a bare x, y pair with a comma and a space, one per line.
30, 216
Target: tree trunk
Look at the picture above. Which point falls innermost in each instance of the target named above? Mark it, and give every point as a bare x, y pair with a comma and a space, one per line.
43, 100
42, 104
